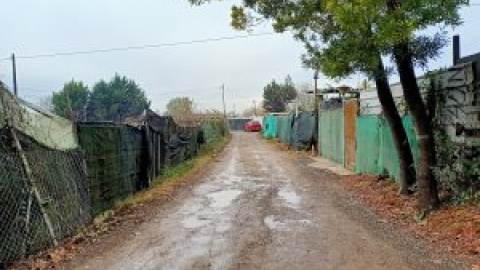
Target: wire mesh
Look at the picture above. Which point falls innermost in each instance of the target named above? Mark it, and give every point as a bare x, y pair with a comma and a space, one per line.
45, 192
59, 178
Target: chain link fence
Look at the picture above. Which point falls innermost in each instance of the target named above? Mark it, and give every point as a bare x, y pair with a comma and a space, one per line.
44, 196
55, 176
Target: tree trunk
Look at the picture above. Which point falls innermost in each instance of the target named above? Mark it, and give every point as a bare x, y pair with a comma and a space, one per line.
427, 184
407, 168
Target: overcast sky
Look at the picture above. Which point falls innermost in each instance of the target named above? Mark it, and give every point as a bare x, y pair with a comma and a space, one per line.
33, 27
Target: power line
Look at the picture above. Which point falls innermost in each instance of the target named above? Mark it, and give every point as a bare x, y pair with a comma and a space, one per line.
142, 47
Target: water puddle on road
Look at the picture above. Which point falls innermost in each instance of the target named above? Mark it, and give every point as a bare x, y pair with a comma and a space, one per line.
194, 222
290, 196
224, 198
273, 223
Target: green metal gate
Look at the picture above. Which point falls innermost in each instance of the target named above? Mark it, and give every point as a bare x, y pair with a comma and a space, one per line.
331, 135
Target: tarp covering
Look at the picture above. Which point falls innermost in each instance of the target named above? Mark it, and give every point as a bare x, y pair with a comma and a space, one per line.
47, 129
303, 131
46, 191
331, 134
160, 130
43, 187
270, 127
182, 146
376, 151
63, 192
115, 161
284, 127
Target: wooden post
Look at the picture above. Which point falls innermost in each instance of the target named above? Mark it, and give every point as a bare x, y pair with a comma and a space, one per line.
14, 75
27, 225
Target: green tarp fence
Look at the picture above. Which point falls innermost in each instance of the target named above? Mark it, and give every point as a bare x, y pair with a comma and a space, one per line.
157, 130
284, 128
122, 159
270, 127
376, 151
303, 131
115, 161
331, 135
70, 182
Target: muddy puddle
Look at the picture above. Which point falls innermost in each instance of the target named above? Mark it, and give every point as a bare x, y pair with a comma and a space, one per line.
222, 199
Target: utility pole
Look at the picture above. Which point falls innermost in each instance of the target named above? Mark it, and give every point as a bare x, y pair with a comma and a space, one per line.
224, 107
296, 105
254, 108
14, 71
223, 101
316, 145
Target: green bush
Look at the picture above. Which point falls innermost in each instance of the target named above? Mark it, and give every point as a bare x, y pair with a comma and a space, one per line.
213, 130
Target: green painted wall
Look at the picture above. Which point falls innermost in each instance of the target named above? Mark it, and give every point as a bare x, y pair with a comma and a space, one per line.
270, 127
376, 151
331, 135
284, 127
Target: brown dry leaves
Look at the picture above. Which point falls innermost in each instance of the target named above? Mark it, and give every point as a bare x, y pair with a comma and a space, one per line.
453, 227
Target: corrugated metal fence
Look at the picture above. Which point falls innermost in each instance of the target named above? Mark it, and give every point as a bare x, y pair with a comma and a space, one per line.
376, 151
331, 134
285, 123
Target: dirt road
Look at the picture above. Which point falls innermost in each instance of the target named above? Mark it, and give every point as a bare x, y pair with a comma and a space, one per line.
256, 209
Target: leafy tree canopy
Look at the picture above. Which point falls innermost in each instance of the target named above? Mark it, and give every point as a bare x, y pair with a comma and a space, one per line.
276, 96
116, 100
180, 106
346, 36
70, 102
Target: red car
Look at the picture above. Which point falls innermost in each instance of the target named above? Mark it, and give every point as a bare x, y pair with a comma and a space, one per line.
252, 126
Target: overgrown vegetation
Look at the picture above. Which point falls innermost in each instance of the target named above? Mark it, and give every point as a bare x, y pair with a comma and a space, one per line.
214, 131
458, 164
458, 168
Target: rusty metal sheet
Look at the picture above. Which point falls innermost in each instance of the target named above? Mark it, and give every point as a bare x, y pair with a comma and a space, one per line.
350, 115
